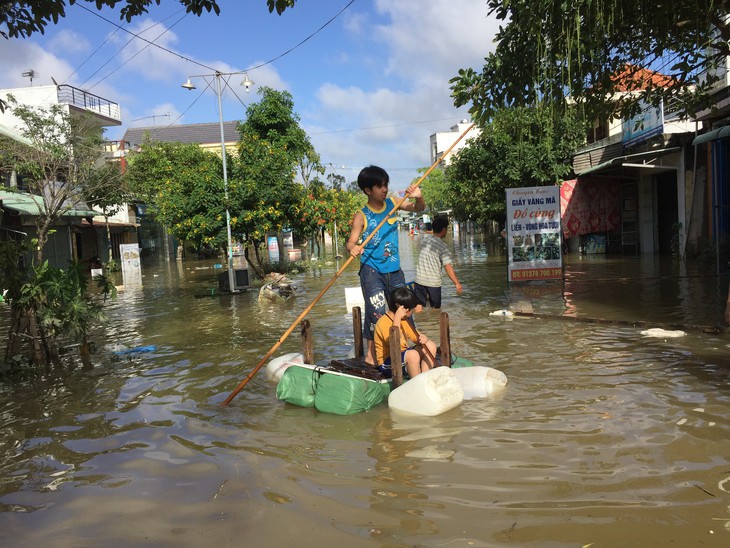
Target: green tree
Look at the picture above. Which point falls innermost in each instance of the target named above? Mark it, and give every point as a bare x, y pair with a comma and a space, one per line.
61, 164
108, 194
21, 19
336, 181
522, 147
266, 196
183, 187
327, 210
434, 189
343, 204
592, 52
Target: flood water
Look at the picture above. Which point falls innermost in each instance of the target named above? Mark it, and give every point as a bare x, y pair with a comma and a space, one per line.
603, 436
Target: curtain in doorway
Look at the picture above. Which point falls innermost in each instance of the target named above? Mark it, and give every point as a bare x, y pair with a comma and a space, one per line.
588, 206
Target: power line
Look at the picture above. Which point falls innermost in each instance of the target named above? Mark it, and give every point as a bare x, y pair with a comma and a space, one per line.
151, 43
305, 40
287, 52
168, 29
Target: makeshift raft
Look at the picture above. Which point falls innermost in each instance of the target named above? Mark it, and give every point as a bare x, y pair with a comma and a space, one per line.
347, 386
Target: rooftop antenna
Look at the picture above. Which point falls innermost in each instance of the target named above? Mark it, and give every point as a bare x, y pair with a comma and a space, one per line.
30, 74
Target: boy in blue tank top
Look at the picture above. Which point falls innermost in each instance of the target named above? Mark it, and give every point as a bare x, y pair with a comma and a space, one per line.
380, 270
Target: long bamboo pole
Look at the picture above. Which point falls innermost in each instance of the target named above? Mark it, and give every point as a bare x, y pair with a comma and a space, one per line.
329, 284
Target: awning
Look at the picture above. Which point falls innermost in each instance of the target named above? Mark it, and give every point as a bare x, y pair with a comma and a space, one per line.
720, 133
28, 204
631, 160
112, 224
14, 134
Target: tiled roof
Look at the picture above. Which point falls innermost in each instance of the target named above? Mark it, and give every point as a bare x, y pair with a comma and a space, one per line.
634, 78
201, 134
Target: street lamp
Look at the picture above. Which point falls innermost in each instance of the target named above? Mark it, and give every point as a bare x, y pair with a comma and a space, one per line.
218, 76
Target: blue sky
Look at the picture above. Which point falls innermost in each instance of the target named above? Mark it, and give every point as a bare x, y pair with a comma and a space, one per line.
370, 87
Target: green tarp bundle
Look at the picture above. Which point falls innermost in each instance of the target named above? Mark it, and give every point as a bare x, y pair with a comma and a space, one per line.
297, 386
328, 392
346, 395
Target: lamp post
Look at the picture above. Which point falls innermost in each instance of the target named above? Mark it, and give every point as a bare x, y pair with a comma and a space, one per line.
218, 76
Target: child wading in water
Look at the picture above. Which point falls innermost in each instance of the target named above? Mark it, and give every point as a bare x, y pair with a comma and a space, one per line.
401, 303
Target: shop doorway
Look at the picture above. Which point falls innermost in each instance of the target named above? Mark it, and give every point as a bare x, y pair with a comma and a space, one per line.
665, 186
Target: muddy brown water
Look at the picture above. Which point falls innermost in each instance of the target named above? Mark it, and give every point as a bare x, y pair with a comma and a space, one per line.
603, 436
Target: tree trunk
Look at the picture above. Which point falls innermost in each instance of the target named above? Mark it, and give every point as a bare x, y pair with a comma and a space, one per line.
282, 252
36, 346
25, 332
14, 339
258, 258
255, 268
110, 251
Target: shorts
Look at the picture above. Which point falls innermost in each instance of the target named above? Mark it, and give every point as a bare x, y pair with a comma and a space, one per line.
428, 295
386, 367
376, 288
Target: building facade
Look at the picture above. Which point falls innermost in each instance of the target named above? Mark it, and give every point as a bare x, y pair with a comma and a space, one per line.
81, 233
634, 184
442, 140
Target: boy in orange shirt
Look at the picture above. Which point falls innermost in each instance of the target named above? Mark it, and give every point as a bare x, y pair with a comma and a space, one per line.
416, 359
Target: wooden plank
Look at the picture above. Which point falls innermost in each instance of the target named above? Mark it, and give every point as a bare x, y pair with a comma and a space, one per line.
357, 330
445, 336
396, 365
307, 344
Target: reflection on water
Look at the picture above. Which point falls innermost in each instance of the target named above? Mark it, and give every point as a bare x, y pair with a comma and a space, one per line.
602, 436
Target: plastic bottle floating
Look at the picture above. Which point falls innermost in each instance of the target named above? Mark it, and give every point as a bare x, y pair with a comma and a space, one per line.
658, 332
479, 381
428, 394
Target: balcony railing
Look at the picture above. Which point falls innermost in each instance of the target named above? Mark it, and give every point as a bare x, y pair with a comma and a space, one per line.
83, 99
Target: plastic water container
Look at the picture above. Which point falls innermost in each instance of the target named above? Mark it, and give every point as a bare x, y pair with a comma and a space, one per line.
353, 297
428, 394
479, 381
276, 367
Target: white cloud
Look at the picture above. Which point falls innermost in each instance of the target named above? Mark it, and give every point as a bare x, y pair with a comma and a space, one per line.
371, 88
436, 39
419, 50
69, 41
17, 57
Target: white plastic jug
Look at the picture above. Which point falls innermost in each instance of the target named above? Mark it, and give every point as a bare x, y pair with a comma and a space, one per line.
276, 367
428, 394
479, 381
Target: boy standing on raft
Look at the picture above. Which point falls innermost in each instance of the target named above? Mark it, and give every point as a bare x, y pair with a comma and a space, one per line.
380, 270
401, 303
